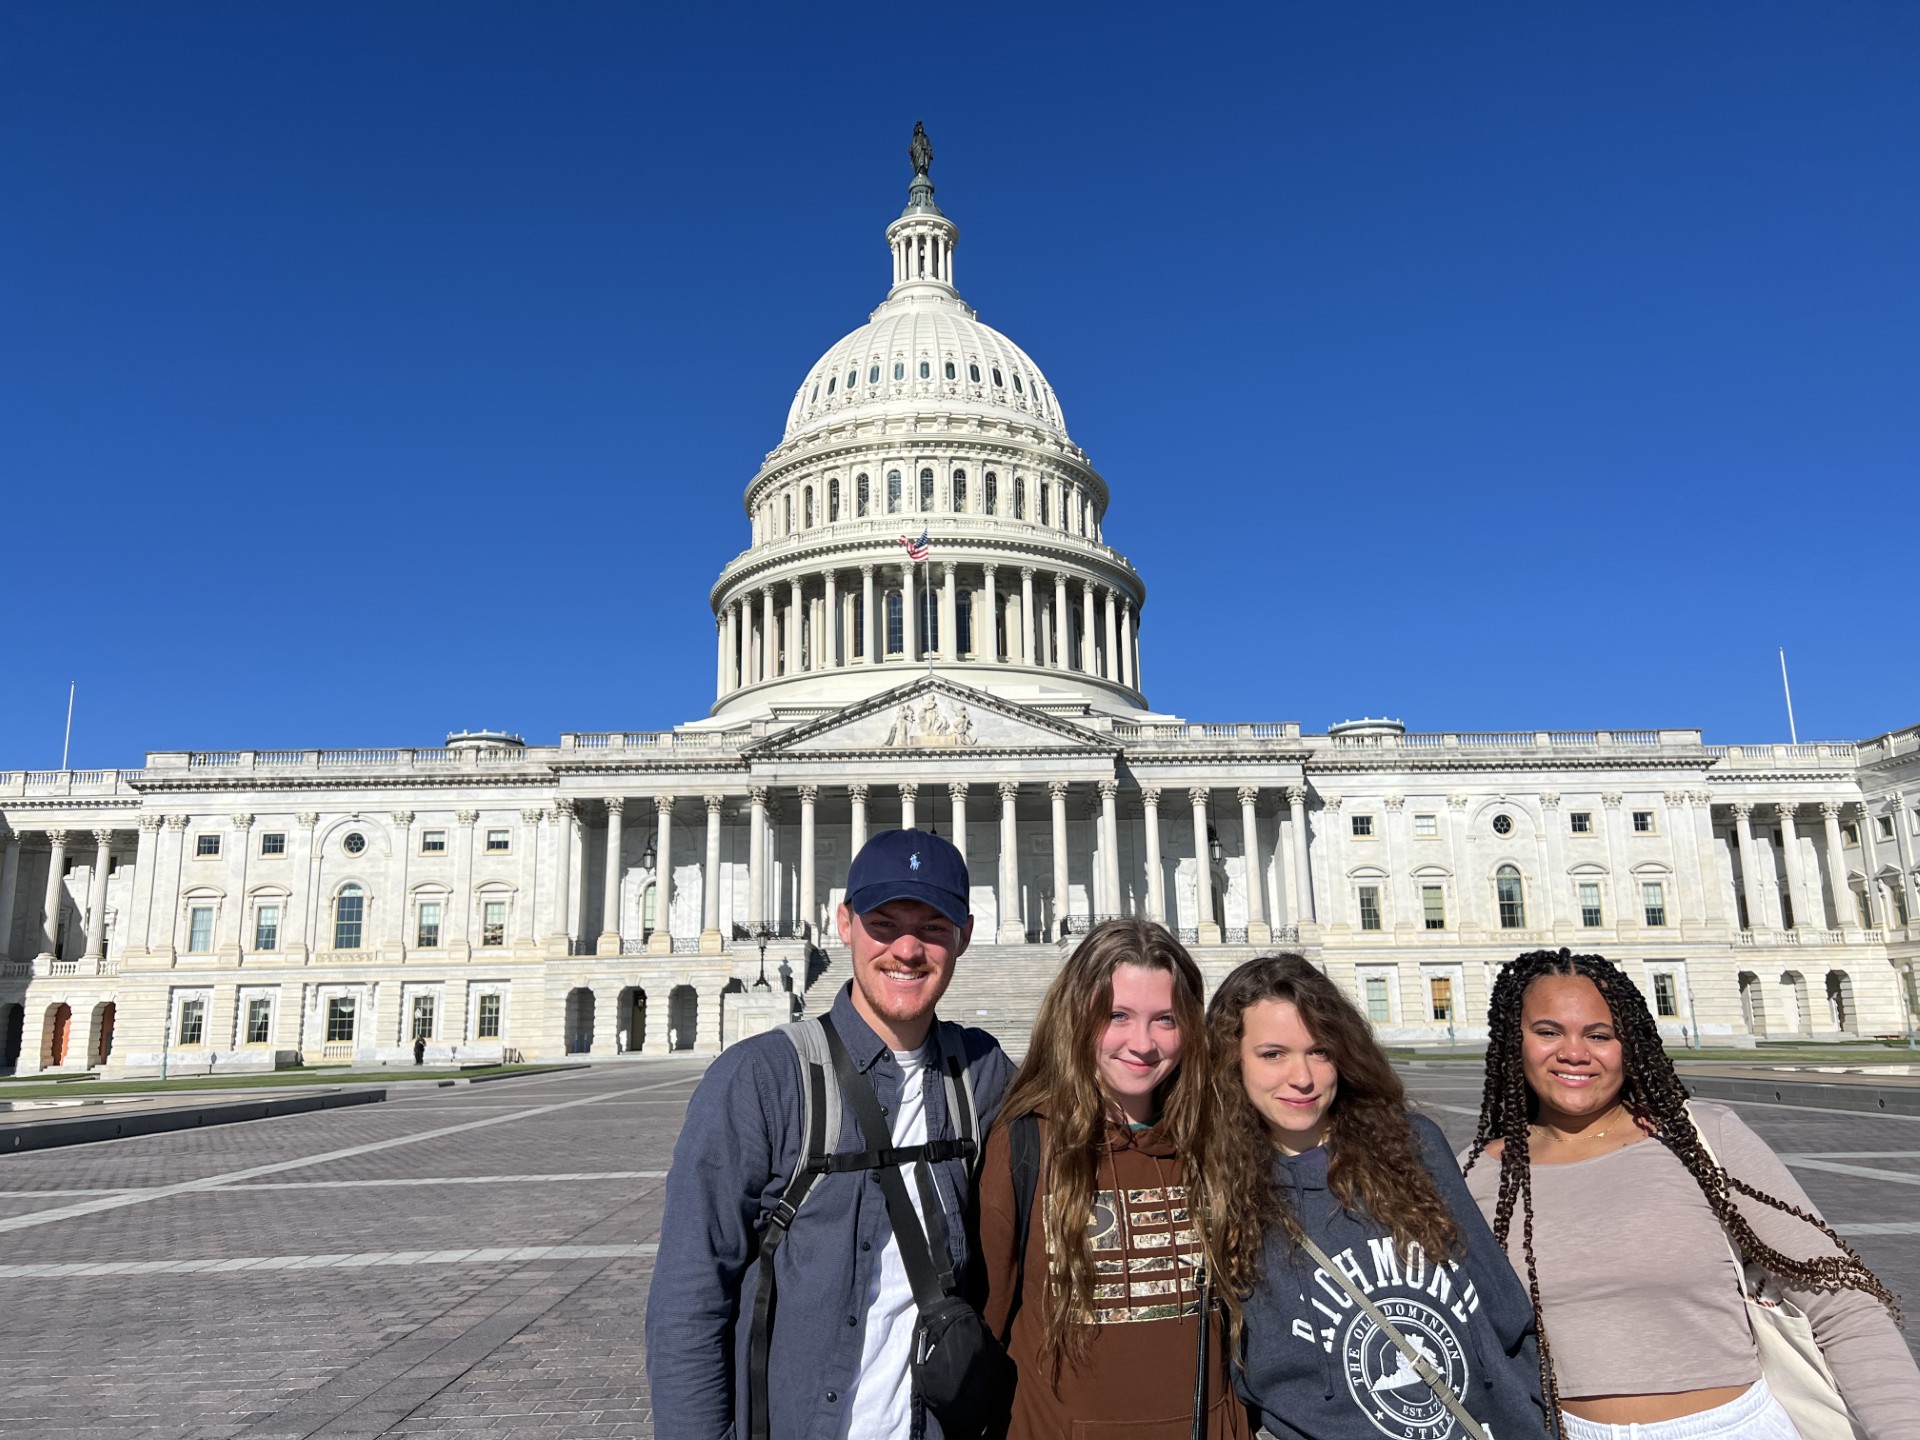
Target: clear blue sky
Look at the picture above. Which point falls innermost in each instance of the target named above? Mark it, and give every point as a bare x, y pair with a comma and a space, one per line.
371, 370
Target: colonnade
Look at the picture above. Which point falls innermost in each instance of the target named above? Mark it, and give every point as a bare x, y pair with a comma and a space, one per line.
1803, 905
1016, 615
43, 930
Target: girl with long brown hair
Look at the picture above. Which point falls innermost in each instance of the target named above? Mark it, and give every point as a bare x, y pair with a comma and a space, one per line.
1373, 1298
1638, 1212
1102, 1300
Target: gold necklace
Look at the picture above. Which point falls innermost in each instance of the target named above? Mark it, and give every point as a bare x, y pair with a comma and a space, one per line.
1599, 1134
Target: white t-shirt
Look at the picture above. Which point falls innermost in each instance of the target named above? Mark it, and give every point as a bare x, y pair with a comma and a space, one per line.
882, 1402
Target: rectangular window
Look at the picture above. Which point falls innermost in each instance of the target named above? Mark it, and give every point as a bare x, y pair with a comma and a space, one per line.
427, 935
493, 923
1666, 995
1378, 1009
1898, 896
498, 840
1885, 825
273, 842
1440, 992
1433, 902
1426, 826
433, 842
1581, 822
266, 928
487, 1025
422, 1017
204, 845
896, 640
1653, 895
1362, 825
200, 930
1643, 822
349, 910
259, 1021
193, 1021
1590, 904
1369, 907
1850, 832
339, 1019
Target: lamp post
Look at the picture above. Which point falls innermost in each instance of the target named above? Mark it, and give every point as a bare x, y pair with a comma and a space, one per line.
649, 858
764, 933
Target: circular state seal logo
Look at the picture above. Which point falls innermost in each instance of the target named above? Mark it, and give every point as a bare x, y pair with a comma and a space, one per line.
1383, 1381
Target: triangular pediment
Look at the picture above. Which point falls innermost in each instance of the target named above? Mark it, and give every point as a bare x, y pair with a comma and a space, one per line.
932, 716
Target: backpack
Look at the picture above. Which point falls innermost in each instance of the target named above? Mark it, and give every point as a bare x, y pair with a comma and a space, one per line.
821, 1124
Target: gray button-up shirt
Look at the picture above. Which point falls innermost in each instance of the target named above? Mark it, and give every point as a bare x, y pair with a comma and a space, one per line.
740, 1144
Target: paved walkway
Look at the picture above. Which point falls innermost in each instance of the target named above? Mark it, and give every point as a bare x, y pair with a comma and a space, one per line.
475, 1260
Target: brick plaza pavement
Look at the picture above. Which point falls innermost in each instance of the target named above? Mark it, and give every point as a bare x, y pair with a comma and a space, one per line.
474, 1260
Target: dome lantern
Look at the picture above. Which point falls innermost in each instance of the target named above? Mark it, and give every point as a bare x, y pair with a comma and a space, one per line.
922, 239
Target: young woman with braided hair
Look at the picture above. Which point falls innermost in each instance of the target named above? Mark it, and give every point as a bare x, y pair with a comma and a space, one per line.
1625, 1216
1315, 1146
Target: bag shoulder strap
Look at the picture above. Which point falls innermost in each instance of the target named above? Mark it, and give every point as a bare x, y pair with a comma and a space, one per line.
962, 1109
1422, 1366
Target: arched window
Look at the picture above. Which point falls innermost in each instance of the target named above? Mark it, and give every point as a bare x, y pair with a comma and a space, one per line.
788, 501
1512, 896
863, 499
973, 372
1044, 507
959, 492
1083, 517
993, 493
950, 371
926, 370
926, 489
853, 377
833, 501
859, 632
806, 507
815, 398
996, 376
1019, 497
893, 492
1018, 388
349, 917
899, 370
873, 373
896, 632
832, 381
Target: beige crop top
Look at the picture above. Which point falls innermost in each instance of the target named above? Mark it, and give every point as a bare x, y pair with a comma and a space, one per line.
1638, 1291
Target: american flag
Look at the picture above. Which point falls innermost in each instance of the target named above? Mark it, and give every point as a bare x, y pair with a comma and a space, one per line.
918, 550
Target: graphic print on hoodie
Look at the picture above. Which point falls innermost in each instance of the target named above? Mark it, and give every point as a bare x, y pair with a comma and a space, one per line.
1316, 1365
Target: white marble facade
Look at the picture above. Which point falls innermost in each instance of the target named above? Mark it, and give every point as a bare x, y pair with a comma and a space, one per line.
224, 910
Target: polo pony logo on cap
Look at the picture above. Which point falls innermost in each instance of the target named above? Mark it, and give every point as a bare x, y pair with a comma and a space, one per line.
914, 863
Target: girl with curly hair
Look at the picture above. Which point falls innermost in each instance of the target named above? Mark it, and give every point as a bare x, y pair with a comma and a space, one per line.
1316, 1145
1101, 1299
1632, 1202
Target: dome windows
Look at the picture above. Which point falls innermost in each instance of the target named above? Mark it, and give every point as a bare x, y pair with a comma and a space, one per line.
926, 482
973, 372
992, 498
1045, 508
926, 370
1018, 388
899, 370
833, 502
959, 488
950, 370
853, 377
1019, 497
863, 498
814, 399
997, 377
788, 530
832, 382
873, 373
806, 507
893, 492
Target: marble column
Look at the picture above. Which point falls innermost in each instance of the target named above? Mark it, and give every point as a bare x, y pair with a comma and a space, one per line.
1127, 676
1750, 886
857, 795
720, 657
1156, 882
909, 793
796, 617
563, 872
1877, 916
1089, 646
909, 617
711, 940
1026, 616
949, 612
97, 895
869, 652
1110, 845
1803, 913
767, 650
661, 941
804, 921
1012, 930
831, 649
10, 881
1062, 626
990, 610
957, 792
1110, 656
609, 942
757, 860
1845, 913
1062, 893
1203, 869
1258, 931
55, 894
776, 872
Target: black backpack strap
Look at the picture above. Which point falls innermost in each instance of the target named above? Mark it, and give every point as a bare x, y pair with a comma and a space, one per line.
922, 1239
1023, 1155
812, 1166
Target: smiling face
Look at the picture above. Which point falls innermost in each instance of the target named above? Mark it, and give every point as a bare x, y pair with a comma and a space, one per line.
1289, 1077
903, 954
1570, 1050
1141, 1044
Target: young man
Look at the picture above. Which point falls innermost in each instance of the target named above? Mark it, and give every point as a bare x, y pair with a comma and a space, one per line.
844, 1313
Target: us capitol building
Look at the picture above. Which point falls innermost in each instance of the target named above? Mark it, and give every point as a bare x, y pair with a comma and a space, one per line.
219, 910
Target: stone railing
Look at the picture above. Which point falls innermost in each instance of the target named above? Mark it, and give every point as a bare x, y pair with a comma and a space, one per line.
214, 764
704, 742
1769, 756
90, 783
951, 529
1754, 939
1509, 741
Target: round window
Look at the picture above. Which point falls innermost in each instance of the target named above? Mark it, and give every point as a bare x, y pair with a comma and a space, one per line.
1503, 824
354, 843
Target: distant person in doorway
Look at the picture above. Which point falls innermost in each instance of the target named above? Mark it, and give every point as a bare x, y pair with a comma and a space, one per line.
1623, 1204
836, 1351
1090, 1244
419, 1049
1374, 1299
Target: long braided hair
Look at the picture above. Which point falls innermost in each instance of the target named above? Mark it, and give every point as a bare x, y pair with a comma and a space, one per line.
1655, 1097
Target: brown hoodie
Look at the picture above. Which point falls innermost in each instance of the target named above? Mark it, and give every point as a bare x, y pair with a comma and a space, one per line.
1137, 1380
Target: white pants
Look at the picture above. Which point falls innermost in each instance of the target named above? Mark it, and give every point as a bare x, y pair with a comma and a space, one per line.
1756, 1415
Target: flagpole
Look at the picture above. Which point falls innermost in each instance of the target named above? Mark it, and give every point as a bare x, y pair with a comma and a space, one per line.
67, 743
1792, 733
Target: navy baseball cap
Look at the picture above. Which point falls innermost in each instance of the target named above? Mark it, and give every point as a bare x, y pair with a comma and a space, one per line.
909, 865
